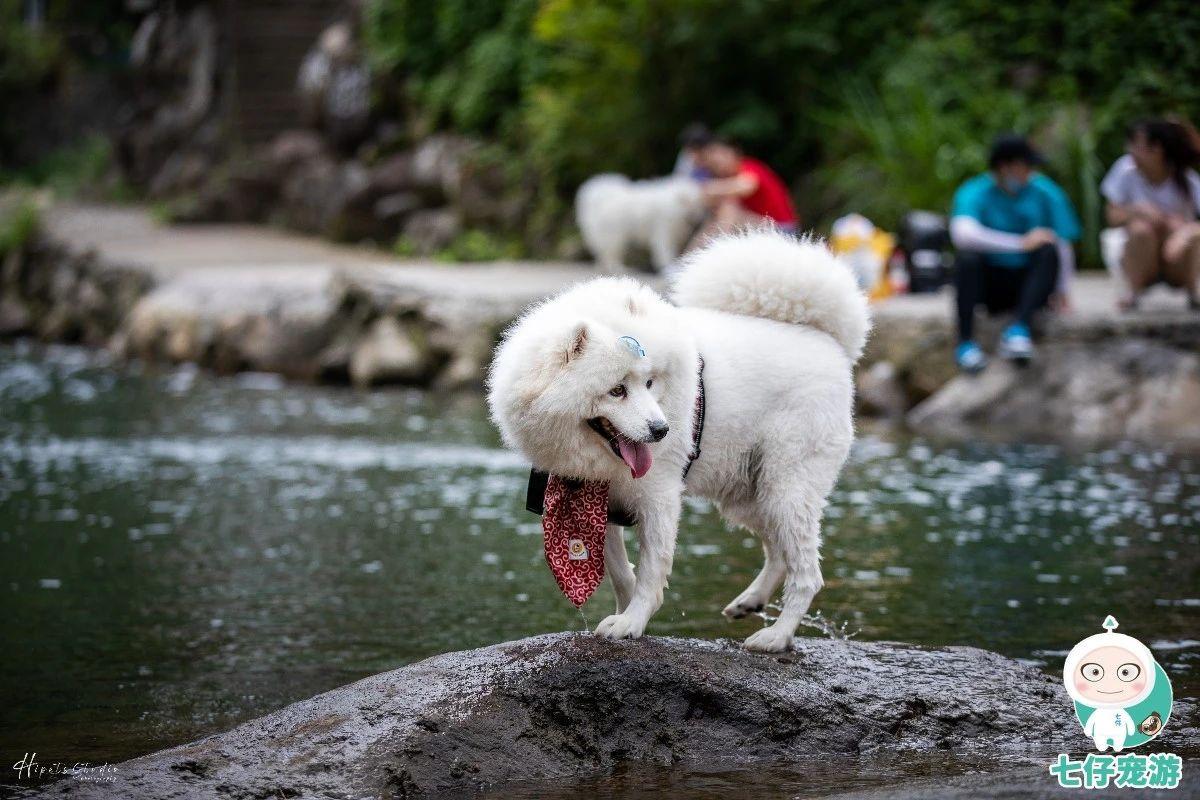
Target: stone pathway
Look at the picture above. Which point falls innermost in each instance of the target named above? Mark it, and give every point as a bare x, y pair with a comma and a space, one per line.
129, 236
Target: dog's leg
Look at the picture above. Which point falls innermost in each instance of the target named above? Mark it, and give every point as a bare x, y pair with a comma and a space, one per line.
610, 258
759, 592
663, 249
794, 525
616, 564
657, 528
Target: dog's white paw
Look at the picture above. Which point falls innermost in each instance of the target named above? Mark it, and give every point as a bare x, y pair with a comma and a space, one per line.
747, 602
769, 640
620, 626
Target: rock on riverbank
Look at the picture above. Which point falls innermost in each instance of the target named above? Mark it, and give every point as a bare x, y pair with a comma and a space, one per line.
1099, 375
235, 297
572, 705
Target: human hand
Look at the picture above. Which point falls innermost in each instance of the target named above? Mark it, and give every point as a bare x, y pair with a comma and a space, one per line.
1148, 212
1038, 237
1173, 222
1060, 303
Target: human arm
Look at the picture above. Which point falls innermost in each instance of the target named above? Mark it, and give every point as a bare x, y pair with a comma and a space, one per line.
968, 233
1116, 214
1118, 191
743, 184
1061, 299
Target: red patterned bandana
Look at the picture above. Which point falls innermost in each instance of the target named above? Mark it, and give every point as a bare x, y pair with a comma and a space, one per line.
573, 525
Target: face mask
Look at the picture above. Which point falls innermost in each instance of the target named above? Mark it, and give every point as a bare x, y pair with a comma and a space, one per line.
1013, 185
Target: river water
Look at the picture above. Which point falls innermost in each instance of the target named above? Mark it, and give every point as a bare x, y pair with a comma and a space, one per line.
181, 552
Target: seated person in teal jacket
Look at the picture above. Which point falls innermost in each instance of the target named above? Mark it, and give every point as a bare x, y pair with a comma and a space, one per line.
1013, 228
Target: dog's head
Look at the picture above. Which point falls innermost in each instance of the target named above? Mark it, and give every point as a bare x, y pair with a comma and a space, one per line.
594, 383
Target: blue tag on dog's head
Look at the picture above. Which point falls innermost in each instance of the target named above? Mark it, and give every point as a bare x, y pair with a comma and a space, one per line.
632, 345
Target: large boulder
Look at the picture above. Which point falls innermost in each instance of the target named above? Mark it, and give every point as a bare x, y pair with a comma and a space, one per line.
330, 198
387, 353
1118, 388
439, 161
293, 148
880, 391
572, 705
269, 319
172, 130
432, 229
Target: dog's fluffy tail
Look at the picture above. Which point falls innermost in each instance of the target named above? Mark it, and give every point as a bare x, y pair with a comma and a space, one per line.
768, 274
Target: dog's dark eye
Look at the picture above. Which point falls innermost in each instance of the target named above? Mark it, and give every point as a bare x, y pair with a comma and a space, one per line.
618, 390
649, 383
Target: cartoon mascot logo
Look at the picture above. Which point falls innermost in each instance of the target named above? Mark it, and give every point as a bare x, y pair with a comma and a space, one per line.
1122, 696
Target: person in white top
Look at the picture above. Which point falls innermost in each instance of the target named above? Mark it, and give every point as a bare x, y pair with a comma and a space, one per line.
1153, 197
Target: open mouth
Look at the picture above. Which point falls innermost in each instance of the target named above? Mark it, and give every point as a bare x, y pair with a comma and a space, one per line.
636, 455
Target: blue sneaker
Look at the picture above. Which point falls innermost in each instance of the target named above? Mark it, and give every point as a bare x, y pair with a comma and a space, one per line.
1016, 344
970, 357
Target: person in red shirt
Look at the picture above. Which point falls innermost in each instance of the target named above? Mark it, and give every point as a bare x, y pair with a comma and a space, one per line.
743, 192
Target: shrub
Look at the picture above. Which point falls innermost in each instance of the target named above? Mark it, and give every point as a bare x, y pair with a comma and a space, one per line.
480, 245
19, 220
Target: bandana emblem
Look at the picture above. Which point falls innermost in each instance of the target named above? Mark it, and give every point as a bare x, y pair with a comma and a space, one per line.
573, 527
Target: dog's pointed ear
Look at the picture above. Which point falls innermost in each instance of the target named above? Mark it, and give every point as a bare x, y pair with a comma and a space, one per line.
577, 342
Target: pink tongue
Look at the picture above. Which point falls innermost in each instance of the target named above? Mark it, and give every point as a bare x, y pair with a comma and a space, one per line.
636, 455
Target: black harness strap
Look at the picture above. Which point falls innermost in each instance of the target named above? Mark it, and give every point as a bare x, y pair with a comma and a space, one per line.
697, 423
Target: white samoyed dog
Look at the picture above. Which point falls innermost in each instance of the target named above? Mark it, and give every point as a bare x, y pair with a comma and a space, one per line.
615, 213
779, 324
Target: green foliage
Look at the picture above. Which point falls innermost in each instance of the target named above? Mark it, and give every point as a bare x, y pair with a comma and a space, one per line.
473, 244
81, 171
27, 57
869, 106
462, 61
28, 60
74, 36
480, 245
19, 219
1070, 78
621, 79
405, 247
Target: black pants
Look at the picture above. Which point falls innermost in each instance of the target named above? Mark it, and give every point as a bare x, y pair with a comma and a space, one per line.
1020, 289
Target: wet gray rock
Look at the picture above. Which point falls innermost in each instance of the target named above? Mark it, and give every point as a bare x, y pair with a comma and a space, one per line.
394, 173
170, 137
439, 162
429, 230
392, 209
572, 705
387, 353
238, 318
1121, 388
880, 392
14, 316
292, 148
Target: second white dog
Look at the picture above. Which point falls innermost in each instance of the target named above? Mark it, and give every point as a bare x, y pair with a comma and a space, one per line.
615, 214
779, 324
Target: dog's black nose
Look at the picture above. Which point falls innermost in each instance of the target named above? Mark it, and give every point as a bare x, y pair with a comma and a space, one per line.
658, 430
